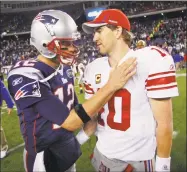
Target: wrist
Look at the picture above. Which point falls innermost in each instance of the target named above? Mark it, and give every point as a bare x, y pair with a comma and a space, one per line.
82, 137
110, 88
162, 164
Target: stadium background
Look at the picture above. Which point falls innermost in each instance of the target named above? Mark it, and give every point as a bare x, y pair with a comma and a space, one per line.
163, 23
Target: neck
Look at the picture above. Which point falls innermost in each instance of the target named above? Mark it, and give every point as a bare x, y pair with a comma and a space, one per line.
53, 63
117, 53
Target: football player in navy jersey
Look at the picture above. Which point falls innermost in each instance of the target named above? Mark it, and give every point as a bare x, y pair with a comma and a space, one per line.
43, 91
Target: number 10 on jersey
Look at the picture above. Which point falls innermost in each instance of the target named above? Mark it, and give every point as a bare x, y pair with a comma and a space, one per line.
114, 109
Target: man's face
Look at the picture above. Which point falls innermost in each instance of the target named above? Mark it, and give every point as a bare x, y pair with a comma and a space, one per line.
66, 50
104, 39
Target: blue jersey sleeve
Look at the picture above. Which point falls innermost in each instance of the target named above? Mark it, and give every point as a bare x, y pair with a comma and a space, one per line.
52, 109
5, 96
29, 93
26, 91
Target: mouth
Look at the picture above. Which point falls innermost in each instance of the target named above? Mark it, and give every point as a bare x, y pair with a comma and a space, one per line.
98, 45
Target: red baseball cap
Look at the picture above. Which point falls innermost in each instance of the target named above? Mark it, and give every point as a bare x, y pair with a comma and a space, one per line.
109, 16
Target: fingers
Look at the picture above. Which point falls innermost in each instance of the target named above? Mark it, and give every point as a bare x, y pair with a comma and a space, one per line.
122, 73
130, 74
131, 60
129, 67
128, 62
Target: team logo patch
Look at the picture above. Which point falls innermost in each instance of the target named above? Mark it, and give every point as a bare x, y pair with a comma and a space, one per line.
29, 90
69, 73
17, 81
98, 78
165, 168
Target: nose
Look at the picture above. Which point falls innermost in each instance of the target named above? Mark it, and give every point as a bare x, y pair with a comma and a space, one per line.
95, 37
73, 48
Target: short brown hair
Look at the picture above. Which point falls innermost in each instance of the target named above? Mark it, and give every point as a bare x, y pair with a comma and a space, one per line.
126, 36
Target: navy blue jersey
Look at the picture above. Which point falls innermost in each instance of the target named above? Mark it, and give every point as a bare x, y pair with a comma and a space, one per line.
43, 104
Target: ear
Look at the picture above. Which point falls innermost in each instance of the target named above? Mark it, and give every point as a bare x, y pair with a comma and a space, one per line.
118, 31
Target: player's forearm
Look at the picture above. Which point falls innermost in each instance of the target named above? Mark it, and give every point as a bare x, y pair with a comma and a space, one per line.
6, 96
162, 110
72, 122
164, 143
164, 139
91, 107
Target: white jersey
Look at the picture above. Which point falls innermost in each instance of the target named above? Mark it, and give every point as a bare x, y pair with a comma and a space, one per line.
126, 128
74, 68
81, 68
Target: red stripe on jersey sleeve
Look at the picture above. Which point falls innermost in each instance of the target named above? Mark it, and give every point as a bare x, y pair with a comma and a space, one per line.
88, 89
161, 73
161, 81
162, 88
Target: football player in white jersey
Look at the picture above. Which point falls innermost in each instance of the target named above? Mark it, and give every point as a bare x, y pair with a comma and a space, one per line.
137, 120
74, 69
81, 68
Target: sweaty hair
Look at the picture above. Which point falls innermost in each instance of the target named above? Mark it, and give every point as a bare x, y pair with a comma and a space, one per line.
125, 35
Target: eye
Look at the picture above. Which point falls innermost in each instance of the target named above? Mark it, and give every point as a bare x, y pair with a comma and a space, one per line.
99, 30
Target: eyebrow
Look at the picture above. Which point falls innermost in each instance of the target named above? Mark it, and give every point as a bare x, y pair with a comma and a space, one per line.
98, 29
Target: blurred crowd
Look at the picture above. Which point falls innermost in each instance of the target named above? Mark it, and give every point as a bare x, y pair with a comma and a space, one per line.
14, 23
170, 33
21, 21
13, 50
173, 31
134, 7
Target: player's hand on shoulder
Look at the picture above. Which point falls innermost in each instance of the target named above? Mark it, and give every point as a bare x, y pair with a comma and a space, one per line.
122, 73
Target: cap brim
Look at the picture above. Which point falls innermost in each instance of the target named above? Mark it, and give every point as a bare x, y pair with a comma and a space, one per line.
89, 27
